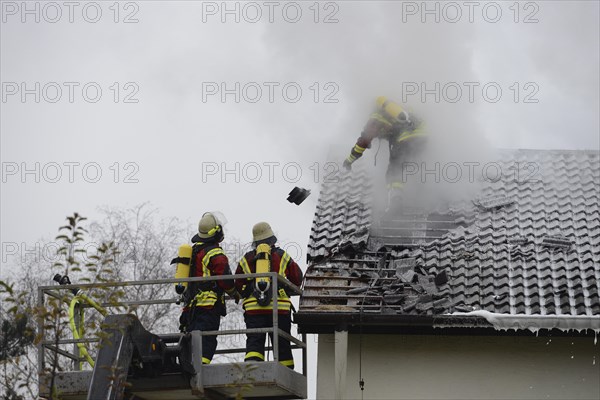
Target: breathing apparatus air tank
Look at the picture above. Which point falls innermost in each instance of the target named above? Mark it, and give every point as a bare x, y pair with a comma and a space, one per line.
392, 109
263, 283
183, 268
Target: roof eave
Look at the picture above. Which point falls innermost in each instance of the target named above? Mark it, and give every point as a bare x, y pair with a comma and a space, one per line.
320, 322
329, 322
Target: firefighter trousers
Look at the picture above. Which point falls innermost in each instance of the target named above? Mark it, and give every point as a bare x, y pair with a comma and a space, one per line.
206, 320
255, 342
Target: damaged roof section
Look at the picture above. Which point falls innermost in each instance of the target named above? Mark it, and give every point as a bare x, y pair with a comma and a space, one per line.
412, 227
522, 247
375, 284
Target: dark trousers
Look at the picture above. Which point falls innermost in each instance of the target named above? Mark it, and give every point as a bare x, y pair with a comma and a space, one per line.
206, 320
255, 342
402, 154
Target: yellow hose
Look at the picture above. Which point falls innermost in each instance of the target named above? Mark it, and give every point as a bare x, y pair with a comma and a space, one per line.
92, 303
78, 331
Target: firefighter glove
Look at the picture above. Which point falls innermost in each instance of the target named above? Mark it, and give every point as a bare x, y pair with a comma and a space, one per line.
235, 295
347, 165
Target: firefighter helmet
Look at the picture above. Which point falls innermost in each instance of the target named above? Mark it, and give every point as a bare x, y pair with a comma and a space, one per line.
262, 231
210, 224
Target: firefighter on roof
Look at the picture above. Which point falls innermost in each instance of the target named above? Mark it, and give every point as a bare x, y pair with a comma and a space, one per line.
258, 304
405, 133
204, 302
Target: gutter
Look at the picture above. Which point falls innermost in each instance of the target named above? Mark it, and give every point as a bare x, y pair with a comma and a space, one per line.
471, 323
534, 322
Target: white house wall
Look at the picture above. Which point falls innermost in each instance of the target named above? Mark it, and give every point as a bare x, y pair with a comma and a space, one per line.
453, 367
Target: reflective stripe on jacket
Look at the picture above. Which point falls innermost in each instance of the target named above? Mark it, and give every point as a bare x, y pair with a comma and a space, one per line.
207, 297
419, 131
250, 302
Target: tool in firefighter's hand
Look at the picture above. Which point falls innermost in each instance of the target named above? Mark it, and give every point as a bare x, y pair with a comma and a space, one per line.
298, 195
263, 283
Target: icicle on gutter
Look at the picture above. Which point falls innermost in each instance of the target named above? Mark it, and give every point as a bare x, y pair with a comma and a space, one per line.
534, 323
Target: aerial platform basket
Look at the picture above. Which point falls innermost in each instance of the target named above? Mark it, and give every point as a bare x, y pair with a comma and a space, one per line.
133, 363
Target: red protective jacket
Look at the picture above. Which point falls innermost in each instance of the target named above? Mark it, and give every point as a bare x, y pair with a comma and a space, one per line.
377, 126
281, 263
211, 261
